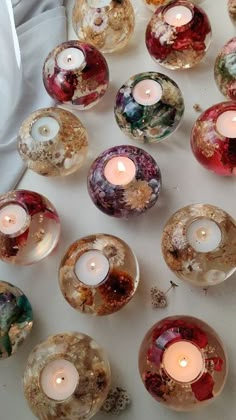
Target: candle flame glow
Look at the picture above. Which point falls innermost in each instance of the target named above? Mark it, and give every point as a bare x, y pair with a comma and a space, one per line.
179, 16
59, 380
234, 119
44, 130
9, 220
121, 167
69, 58
93, 265
183, 362
201, 234
148, 92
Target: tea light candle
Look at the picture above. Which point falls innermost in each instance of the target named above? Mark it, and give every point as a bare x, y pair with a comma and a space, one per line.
147, 92
204, 235
226, 124
59, 379
120, 170
183, 361
178, 16
45, 129
92, 268
13, 219
70, 59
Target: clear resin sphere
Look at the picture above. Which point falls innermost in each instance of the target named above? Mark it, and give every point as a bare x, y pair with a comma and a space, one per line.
124, 181
178, 35
99, 274
53, 142
29, 227
225, 70
213, 139
67, 377
199, 244
183, 363
76, 74
106, 24
232, 9
16, 319
149, 107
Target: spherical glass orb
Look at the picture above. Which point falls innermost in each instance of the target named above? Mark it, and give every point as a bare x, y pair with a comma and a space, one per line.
16, 319
178, 35
232, 9
149, 107
183, 363
29, 227
225, 69
67, 377
99, 274
53, 142
213, 139
198, 244
106, 24
76, 74
124, 181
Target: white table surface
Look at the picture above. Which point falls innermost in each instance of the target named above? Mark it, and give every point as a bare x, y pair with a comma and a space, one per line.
184, 182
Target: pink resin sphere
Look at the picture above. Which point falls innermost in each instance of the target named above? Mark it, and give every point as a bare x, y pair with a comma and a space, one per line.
213, 139
76, 73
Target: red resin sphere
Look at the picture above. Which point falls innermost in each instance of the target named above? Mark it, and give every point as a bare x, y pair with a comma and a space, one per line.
175, 45
214, 150
76, 73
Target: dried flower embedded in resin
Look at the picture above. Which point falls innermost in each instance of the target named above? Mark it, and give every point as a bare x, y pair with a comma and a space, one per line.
183, 363
213, 139
124, 181
29, 227
76, 74
225, 69
118, 400
16, 319
67, 377
199, 244
149, 107
106, 24
178, 35
99, 274
232, 9
52, 142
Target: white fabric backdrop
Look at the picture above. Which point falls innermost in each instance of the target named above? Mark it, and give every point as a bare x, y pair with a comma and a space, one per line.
184, 182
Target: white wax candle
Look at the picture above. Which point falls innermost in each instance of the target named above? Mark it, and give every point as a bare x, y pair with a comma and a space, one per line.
120, 170
204, 235
226, 124
147, 92
70, 59
13, 219
92, 268
45, 129
183, 361
178, 15
98, 4
59, 379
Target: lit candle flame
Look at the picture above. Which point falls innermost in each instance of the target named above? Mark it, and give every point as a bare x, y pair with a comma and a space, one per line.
92, 265
59, 381
9, 220
183, 362
148, 92
179, 16
121, 167
69, 58
234, 119
201, 234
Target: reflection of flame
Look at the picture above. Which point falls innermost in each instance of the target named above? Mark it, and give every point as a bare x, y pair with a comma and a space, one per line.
179, 16
183, 362
121, 167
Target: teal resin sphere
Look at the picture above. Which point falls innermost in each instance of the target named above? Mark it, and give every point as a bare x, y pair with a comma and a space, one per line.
149, 107
16, 319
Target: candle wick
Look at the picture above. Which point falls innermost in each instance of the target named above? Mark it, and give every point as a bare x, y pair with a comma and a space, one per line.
69, 58
10, 219
44, 130
93, 266
183, 362
148, 93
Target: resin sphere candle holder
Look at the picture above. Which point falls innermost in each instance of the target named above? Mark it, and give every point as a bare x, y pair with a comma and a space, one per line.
99, 274
76, 73
213, 139
124, 181
183, 363
149, 107
53, 141
67, 377
232, 9
106, 24
29, 227
178, 35
16, 319
199, 244
225, 70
